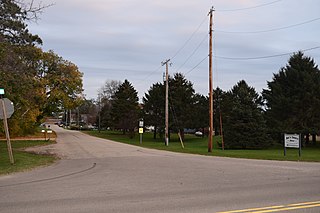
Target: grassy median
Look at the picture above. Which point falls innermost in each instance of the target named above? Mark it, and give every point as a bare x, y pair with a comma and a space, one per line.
23, 160
198, 145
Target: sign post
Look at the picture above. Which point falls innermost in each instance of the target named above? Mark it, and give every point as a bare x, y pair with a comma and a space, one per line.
292, 141
49, 131
4, 115
141, 130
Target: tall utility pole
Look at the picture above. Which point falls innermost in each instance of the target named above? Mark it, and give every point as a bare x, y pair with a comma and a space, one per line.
210, 85
167, 101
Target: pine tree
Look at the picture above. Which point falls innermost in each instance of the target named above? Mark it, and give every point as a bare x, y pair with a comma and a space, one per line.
125, 111
293, 97
244, 125
154, 107
181, 97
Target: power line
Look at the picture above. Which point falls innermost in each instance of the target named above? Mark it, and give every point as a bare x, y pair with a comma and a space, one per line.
270, 30
197, 65
151, 73
263, 57
189, 39
248, 8
179, 50
102, 69
194, 51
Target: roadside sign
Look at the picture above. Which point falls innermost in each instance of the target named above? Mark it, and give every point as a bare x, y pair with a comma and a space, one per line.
141, 132
292, 141
9, 108
141, 123
6, 110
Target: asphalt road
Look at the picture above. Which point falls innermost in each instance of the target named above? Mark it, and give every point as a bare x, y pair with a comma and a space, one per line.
97, 175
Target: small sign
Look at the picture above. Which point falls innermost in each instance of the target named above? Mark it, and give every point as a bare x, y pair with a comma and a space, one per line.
1, 91
141, 123
9, 108
292, 141
49, 131
43, 131
140, 130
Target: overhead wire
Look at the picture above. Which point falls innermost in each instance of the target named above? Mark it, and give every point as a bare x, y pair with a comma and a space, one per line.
197, 65
270, 30
189, 39
193, 52
231, 32
248, 8
263, 57
178, 51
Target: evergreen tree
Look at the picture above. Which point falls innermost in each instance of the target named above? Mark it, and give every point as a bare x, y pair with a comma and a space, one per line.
200, 113
181, 95
125, 109
293, 97
244, 125
154, 108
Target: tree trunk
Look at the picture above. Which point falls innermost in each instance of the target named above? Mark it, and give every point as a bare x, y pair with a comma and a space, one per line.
307, 139
202, 132
314, 139
155, 132
182, 134
131, 133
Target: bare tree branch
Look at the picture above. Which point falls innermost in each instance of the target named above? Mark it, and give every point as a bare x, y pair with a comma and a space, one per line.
32, 11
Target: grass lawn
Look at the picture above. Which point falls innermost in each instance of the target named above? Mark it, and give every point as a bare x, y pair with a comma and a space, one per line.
197, 145
23, 160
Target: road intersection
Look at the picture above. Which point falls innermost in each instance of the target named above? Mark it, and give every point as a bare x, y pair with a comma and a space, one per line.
97, 175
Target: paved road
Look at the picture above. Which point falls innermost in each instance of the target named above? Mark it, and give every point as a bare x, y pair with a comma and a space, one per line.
97, 175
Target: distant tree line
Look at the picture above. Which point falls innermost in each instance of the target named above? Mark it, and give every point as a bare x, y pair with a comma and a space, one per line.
41, 83
37, 82
290, 104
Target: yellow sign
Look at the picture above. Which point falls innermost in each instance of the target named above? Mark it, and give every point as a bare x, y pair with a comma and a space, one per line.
140, 130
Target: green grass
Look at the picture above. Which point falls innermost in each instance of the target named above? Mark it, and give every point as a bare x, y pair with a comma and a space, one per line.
197, 145
23, 160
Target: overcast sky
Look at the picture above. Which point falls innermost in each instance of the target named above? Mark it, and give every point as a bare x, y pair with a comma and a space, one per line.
128, 39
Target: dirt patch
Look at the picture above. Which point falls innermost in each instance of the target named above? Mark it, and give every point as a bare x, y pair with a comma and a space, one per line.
43, 150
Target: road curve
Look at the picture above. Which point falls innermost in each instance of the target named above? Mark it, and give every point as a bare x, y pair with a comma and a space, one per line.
97, 175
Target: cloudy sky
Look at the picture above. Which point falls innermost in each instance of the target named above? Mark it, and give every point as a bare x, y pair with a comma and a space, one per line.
128, 39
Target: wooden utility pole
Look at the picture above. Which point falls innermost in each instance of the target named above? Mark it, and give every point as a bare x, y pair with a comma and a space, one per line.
167, 102
210, 85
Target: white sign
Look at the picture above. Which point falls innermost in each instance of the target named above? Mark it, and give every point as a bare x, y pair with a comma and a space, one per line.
9, 108
292, 140
141, 123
